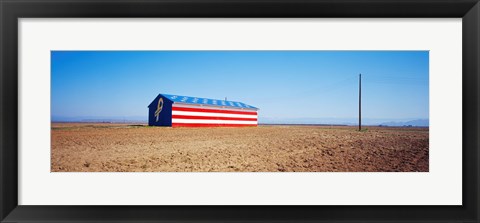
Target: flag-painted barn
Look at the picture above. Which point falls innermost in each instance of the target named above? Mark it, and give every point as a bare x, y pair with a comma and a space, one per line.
185, 111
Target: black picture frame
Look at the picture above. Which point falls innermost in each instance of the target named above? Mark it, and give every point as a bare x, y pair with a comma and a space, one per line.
12, 10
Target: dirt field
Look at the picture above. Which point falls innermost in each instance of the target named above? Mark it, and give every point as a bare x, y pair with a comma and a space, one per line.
82, 147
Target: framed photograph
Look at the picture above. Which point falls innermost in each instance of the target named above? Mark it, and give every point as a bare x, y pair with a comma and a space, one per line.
239, 111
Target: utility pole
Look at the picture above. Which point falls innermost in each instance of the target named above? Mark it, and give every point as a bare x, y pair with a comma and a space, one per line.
360, 102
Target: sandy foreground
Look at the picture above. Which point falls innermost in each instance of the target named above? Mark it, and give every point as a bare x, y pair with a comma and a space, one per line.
98, 147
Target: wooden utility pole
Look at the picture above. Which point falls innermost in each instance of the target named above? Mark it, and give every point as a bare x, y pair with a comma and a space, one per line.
360, 102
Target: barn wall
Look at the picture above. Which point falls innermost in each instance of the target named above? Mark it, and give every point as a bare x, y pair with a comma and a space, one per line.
206, 116
165, 118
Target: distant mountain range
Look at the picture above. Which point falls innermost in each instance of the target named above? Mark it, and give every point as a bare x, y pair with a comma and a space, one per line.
418, 122
345, 121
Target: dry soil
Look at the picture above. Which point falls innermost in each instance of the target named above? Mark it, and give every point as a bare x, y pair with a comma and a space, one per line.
99, 147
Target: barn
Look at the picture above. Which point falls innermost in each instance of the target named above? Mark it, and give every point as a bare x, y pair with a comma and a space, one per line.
185, 111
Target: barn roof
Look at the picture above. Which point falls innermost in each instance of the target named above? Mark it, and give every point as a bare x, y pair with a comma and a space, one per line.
206, 101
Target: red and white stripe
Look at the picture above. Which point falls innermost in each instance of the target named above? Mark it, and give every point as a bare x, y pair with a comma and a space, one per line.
203, 116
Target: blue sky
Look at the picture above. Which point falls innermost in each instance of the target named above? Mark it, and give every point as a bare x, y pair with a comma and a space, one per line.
283, 84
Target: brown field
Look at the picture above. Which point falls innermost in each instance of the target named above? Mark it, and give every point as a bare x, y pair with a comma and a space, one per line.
89, 147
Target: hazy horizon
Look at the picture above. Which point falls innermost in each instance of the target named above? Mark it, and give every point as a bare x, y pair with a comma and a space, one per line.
261, 120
